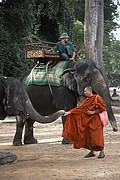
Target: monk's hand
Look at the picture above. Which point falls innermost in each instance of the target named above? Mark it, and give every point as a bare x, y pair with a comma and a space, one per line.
67, 113
90, 112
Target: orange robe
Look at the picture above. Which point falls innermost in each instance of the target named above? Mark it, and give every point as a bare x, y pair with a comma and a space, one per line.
83, 129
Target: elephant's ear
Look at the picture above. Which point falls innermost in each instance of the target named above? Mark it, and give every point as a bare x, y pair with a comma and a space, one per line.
68, 79
83, 71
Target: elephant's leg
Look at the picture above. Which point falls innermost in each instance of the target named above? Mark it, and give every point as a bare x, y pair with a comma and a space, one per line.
64, 140
19, 129
28, 136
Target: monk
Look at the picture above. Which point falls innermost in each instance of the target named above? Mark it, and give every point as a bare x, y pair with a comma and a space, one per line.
83, 126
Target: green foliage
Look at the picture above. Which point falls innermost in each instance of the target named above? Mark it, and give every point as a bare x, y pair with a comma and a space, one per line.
110, 13
78, 9
78, 38
27, 21
16, 19
52, 18
111, 45
112, 61
18, 16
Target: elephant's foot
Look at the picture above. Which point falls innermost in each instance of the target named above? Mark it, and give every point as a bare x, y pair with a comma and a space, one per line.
29, 134
30, 140
7, 158
66, 141
17, 143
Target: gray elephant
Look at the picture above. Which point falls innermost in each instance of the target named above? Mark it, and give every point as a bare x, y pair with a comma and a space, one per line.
14, 101
75, 78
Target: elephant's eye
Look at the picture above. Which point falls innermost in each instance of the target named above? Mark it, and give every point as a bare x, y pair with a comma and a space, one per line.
80, 78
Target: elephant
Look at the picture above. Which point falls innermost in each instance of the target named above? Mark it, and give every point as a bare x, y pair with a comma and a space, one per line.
14, 101
75, 78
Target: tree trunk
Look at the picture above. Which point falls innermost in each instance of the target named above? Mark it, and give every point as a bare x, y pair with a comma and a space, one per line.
90, 28
100, 37
93, 32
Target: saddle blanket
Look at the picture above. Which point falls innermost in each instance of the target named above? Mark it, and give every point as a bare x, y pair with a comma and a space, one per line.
45, 76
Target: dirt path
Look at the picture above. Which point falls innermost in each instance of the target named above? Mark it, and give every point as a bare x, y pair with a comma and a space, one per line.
50, 160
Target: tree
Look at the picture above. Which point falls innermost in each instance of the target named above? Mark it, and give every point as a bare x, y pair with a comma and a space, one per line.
94, 31
112, 62
78, 38
26, 21
16, 18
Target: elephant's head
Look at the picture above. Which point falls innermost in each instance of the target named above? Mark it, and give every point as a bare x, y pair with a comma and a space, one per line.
15, 101
86, 73
80, 76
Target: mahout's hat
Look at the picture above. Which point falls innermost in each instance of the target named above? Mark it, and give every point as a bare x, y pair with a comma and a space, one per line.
64, 35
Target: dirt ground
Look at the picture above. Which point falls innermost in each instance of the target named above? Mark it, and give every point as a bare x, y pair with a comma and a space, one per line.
50, 160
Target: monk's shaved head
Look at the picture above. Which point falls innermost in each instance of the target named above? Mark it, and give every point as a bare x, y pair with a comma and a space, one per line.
88, 91
89, 88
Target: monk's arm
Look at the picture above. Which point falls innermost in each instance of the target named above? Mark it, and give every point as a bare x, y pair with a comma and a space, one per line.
101, 106
76, 110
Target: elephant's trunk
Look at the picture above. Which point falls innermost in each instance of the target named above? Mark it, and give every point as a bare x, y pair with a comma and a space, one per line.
33, 114
111, 117
101, 88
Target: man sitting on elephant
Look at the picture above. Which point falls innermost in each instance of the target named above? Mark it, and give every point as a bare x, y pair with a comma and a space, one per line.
65, 48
